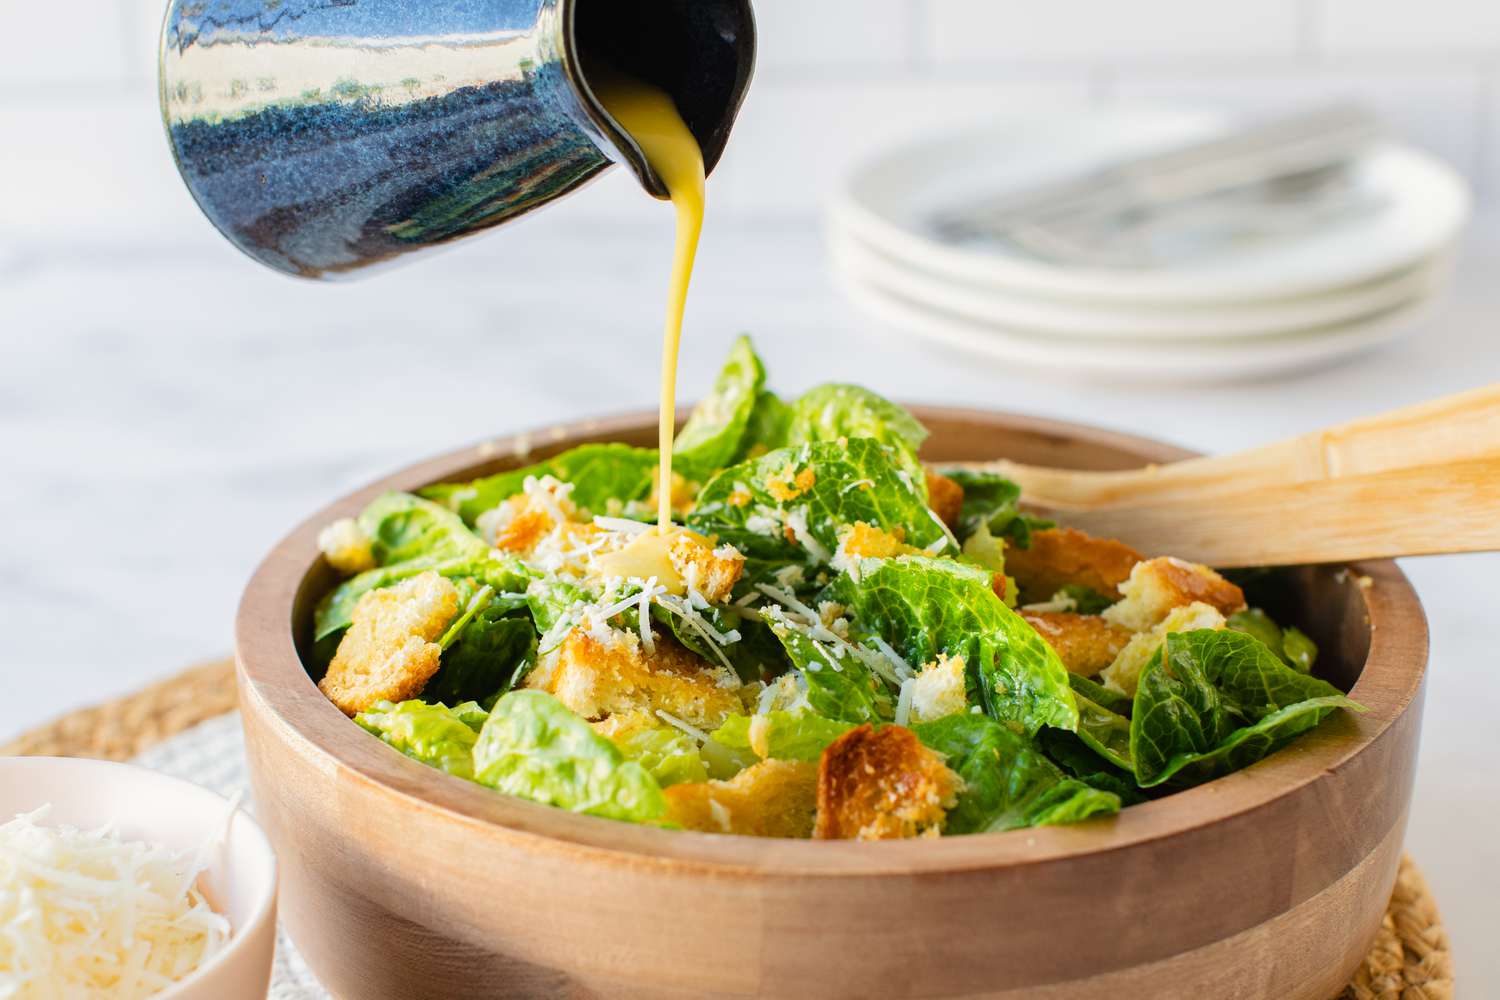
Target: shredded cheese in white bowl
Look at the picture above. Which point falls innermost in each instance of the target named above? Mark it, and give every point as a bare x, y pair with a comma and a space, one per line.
86, 913
120, 883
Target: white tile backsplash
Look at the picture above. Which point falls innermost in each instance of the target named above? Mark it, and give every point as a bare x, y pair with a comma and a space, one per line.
43, 45
827, 36
1005, 31
835, 79
1403, 26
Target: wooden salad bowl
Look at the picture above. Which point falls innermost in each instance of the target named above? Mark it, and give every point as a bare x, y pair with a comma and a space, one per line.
401, 882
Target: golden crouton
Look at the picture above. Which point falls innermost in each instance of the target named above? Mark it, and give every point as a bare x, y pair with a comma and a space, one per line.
1124, 673
710, 571
865, 541
599, 675
788, 484
389, 652
1157, 586
1085, 643
945, 497
1061, 556
939, 689
346, 547
774, 798
882, 785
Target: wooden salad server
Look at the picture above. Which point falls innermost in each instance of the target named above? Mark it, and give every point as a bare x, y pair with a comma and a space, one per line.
1420, 480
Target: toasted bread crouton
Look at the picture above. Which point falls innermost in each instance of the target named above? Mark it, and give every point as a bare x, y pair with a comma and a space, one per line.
945, 497
1085, 643
773, 798
882, 785
390, 652
599, 672
522, 522
1157, 586
710, 571
860, 541
938, 689
1123, 674
789, 484
346, 547
1060, 556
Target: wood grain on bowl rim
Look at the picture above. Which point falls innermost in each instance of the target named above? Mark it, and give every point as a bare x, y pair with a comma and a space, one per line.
1259, 843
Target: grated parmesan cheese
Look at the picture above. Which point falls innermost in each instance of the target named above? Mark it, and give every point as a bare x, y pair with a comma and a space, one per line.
86, 914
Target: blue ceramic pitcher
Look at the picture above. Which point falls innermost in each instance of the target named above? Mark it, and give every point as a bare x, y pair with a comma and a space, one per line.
324, 136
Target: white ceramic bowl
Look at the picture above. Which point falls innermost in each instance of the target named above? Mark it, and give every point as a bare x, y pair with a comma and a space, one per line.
240, 879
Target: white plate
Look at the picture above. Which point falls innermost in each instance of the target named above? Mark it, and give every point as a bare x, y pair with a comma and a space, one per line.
990, 304
1134, 361
887, 201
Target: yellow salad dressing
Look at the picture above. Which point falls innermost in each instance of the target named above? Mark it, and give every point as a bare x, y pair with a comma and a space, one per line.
651, 118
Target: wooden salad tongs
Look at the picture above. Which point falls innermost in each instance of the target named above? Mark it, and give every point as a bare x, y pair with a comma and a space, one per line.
1420, 480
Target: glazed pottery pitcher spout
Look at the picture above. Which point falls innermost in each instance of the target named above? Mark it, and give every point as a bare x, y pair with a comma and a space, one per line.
325, 136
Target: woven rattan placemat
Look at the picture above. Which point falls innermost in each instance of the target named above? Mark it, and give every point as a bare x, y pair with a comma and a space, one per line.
1410, 959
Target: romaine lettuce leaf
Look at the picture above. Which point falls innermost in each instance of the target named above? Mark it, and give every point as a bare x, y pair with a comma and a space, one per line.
409, 536
994, 502
923, 607
434, 734
1298, 649
782, 735
1078, 759
1210, 702
833, 412
1105, 732
767, 429
1291, 644
670, 755
600, 473
712, 436
534, 748
839, 688
1118, 703
1008, 781
486, 657
811, 491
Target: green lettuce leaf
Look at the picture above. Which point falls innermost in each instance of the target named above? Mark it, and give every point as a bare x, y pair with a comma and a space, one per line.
1298, 650
486, 656
788, 735
830, 413
994, 502
1105, 732
434, 734
534, 748
767, 429
839, 688
410, 536
923, 607
712, 436
1291, 644
670, 755
1008, 781
605, 477
1118, 703
854, 482
1210, 702
1078, 759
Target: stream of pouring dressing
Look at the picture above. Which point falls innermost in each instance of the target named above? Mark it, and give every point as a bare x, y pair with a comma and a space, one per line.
651, 118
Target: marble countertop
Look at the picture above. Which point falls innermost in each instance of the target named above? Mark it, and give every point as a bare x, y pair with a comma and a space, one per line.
168, 411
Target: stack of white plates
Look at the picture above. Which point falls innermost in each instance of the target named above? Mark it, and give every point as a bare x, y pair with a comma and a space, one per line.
1281, 299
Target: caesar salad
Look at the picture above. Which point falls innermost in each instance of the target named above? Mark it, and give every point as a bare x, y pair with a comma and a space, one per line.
833, 640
